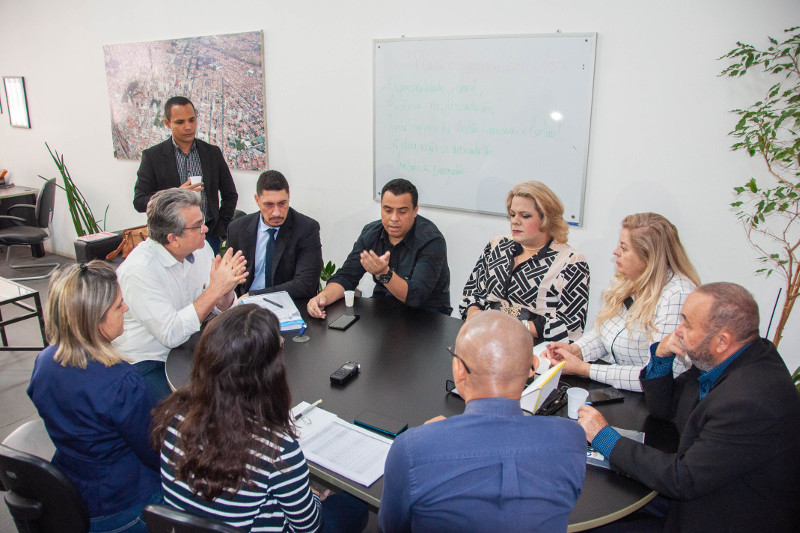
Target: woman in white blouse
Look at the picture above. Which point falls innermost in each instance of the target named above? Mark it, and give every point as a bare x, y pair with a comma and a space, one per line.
641, 306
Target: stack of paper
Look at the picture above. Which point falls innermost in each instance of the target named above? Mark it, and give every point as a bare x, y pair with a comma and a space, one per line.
282, 305
341, 447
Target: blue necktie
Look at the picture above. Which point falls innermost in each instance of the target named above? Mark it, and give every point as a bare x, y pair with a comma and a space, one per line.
268, 257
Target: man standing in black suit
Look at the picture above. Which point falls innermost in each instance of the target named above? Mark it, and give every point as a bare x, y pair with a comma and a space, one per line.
175, 161
282, 245
737, 467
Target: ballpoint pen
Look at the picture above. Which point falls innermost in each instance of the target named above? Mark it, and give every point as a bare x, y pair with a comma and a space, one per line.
276, 304
307, 410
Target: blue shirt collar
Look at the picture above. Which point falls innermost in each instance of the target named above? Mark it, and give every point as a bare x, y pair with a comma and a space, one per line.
493, 407
708, 379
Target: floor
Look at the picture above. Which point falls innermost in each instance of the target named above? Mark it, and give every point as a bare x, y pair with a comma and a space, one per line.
15, 367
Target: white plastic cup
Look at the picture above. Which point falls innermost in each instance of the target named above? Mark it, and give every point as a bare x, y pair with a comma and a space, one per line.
576, 397
544, 364
195, 179
349, 298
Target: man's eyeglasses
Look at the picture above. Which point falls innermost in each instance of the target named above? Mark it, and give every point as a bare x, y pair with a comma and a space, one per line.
193, 228
452, 351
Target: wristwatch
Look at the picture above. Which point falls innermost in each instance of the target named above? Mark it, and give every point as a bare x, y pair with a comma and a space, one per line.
383, 279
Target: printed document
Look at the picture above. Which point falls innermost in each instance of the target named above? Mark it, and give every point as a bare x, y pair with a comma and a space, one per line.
341, 447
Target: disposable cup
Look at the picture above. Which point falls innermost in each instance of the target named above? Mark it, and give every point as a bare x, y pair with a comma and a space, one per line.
576, 397
349, 298
195, 179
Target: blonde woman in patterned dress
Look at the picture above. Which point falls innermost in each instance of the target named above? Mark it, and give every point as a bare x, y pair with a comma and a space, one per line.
532, 274
642, 305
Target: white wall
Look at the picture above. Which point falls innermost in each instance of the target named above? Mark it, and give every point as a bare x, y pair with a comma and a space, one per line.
659, 124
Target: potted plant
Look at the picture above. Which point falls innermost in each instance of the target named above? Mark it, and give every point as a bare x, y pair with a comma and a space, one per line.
769, 206
326, 273
82, 217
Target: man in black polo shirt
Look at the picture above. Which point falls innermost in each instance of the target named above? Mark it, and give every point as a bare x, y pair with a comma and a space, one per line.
405, 253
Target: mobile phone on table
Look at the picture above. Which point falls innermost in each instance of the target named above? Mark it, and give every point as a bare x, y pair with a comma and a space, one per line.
380, 423
343, 322
604, 395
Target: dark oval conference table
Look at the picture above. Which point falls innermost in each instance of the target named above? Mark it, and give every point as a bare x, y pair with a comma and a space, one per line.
404, 366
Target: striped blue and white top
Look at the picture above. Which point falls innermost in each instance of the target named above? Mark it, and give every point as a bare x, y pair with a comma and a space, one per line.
278, 498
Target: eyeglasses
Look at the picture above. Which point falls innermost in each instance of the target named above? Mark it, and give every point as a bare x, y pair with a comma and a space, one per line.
193, 228
452, 351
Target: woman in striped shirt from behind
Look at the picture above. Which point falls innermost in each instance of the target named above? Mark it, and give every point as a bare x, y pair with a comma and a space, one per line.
228, 445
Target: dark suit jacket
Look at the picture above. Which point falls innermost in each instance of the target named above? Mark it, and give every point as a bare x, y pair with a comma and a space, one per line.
158, 171
297, 262
738, 462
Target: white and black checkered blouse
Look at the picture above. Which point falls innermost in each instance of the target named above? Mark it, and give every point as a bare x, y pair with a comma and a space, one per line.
629, 352
494, 279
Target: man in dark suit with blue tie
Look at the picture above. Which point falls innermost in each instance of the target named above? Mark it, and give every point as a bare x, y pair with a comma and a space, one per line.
283, 245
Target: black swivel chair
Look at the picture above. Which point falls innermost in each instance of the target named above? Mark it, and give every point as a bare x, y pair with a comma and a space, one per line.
164, 519
39, 496
31, 231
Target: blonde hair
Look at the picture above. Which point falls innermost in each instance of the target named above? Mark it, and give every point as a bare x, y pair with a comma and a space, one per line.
78, 300
550, 208
655, 240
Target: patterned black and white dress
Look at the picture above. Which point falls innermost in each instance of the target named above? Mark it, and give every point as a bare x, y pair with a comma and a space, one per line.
558, 312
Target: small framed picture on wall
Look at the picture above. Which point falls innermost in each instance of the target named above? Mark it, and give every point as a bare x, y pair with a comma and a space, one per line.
16, 101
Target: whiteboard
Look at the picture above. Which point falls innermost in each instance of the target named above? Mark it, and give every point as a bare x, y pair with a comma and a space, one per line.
467, 118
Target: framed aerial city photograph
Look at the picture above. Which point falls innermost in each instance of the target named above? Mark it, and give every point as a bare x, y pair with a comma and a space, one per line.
223, 76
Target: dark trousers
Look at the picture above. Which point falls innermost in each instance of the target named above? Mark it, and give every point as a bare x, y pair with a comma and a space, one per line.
214, 242
343, 513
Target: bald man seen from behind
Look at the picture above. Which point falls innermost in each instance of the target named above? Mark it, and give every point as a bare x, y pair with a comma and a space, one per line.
490, 469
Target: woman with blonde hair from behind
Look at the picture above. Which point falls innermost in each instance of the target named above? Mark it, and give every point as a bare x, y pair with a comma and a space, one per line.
95, 405
641, 306
532, 274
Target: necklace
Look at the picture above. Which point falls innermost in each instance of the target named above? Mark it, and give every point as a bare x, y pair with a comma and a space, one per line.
534, 249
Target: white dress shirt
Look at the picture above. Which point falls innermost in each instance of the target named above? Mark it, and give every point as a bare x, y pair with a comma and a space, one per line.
261, 251
629, 352
160, 292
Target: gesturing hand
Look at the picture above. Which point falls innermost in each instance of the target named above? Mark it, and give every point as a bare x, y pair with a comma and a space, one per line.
375, 264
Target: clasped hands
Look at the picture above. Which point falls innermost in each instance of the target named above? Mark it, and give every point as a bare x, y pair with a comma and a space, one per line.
229, 270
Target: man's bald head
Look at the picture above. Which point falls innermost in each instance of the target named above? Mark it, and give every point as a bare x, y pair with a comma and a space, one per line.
499, 353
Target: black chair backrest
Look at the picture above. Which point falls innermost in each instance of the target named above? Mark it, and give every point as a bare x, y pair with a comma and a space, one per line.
165, 519
45, 202
40, 495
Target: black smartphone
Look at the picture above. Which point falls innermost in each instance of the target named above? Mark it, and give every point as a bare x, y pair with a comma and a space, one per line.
380, 423
604, 395
343, 322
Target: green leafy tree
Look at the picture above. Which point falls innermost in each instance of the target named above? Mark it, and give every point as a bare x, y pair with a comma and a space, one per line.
769, 206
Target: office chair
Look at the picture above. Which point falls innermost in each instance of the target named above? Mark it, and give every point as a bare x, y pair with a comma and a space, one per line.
39, 496
32, 437
165, 519
31, 231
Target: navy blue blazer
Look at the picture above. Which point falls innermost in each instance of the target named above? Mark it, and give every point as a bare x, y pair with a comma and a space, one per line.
297, 262
159, 170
